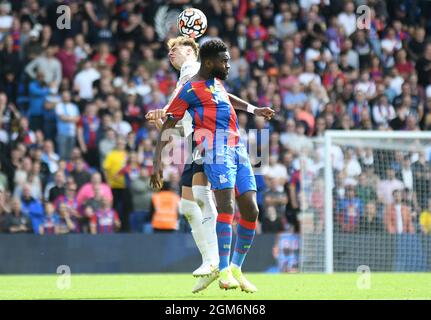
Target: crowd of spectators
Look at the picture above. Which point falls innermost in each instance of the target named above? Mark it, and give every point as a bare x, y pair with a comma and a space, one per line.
377, 191
76, 151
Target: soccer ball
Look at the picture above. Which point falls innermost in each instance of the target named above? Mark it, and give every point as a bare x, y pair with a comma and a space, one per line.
192, 23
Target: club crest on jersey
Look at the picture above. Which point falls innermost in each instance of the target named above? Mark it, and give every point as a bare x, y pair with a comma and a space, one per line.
223, 178
218, 95
211, 89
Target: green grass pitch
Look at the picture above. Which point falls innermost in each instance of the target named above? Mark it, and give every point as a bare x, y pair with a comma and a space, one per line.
178, 286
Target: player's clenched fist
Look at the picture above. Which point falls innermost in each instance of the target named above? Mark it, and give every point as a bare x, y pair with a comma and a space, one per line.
156, 181
156, 114
265, 112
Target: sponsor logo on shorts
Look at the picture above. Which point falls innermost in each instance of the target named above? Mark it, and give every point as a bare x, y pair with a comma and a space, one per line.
206, 219
223, 178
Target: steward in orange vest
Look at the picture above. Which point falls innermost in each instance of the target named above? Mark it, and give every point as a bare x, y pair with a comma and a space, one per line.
165, 209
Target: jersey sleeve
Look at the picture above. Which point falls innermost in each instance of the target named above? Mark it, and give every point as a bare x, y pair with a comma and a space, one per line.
179, 104
188, 70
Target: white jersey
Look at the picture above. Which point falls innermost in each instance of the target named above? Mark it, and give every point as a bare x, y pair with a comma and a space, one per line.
188, 70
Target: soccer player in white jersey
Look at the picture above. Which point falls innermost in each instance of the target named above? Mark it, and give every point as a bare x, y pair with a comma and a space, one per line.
197, 203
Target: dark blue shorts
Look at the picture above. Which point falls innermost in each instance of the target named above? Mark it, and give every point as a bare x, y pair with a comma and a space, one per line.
189, 170
193, 165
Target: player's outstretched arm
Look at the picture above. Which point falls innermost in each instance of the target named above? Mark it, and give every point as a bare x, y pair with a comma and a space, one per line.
159, 114
176, 108
242, 105
156, 181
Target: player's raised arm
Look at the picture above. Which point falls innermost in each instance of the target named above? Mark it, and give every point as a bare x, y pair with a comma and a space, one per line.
242, 105
176, 110
158, 114
156, 178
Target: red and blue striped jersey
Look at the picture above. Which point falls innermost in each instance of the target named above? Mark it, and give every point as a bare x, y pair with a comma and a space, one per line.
214, 118
105, 220
72, 204
90, 125
49, 223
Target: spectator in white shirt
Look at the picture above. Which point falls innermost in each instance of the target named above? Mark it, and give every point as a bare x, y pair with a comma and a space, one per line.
276, 170
367, 157
391, 42
309, 75
83, 82
314, 52
352, 167
366, 85
120, 126
385, 188
383, 112
347, 18
407, 173
5, 19
337, 156
50, 157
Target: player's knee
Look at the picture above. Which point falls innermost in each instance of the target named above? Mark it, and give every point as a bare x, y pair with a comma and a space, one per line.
254, 213
250, 215
228, 206
202, 195
190, 210
248, 206
204, 198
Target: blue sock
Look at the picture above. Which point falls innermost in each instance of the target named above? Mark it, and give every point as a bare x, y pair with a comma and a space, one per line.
224, 238
245, 234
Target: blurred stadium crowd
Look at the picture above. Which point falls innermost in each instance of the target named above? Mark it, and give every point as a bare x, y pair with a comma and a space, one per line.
76, 151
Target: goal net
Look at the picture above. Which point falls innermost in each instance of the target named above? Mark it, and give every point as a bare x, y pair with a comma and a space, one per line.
365, 202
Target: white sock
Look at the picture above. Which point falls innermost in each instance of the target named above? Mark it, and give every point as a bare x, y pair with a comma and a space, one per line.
192, 212
203, 196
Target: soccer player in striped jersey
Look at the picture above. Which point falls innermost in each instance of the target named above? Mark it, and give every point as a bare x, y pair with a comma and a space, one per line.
226, 163
183, 55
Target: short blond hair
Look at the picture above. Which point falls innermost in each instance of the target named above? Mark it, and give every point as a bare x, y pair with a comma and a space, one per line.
184, 41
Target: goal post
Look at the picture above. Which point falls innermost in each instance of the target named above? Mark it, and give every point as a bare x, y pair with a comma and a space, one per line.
366, 201
329, 240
